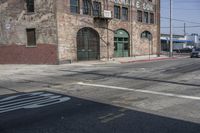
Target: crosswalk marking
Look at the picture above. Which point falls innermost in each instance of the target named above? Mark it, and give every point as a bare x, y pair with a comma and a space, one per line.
30, 100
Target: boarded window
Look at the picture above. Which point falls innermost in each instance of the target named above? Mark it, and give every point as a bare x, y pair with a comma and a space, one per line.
31, 38
30, 5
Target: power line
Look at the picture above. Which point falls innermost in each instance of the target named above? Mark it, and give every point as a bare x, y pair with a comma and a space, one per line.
196, 26
184, 9
179, 20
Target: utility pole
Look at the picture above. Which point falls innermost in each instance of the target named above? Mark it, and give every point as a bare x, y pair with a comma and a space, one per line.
171, 30
184, 29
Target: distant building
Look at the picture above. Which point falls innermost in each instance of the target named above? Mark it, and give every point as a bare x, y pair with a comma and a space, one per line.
63, 31
179, 42
195, 38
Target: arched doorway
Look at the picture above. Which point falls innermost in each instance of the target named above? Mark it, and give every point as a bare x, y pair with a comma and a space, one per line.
121, 43
88, 44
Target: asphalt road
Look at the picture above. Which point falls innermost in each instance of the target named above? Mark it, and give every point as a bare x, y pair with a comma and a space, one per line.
161, 96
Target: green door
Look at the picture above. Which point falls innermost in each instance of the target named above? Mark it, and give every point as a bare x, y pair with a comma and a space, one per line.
121, 43
88, 45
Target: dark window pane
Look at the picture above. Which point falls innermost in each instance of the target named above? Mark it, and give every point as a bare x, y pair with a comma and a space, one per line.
146, 17
120, 39
31, 39
74, 6
115, 46
117, 12
139, 16
126, 46
30, 5
96, 8
151, 18
125, 39
87, 7
124, 13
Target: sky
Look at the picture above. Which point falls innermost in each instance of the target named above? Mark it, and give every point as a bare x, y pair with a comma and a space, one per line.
184, 11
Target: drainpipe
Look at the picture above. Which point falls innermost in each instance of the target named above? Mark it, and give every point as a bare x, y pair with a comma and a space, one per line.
56, 21
107, 21
131, 25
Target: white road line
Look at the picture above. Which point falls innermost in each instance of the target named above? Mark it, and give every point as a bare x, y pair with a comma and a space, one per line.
142, 91
30, 101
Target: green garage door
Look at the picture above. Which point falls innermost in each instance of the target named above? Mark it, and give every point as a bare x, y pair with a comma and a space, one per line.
121, 43
88, 45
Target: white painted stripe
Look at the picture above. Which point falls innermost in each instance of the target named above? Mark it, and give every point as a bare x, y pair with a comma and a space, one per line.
13, 97
19, 99
142, 91
36, 104
30, 100
26, 99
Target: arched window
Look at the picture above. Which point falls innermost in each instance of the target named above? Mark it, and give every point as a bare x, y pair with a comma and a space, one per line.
147, 35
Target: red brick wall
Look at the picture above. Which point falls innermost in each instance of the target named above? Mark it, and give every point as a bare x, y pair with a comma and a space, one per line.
20, 54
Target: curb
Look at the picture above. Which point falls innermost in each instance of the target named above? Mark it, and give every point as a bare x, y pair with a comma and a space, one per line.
151, 60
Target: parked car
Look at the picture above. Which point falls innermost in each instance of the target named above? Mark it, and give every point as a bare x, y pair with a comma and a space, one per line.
195, 53
183, 50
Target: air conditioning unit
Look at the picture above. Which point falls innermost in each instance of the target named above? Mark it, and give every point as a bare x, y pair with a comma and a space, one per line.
107, 14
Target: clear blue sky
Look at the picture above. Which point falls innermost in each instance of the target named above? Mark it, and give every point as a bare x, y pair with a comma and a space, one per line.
184, 11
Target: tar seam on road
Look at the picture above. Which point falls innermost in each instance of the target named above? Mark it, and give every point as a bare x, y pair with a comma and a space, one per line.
141, 91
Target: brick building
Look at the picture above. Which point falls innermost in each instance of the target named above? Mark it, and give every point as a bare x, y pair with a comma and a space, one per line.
62, 31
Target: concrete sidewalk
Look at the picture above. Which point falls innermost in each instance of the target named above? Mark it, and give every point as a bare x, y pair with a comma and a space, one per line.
135, 59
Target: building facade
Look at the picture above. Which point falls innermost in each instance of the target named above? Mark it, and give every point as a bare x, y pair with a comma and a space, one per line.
55, 31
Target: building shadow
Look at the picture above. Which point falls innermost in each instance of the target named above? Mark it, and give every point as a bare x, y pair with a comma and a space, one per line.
83, 116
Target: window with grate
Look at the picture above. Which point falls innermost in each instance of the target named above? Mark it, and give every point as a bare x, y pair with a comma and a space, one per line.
30, 5
96, 8
146, 17
151, 18
87, 7
117, 12
124, 13
74, 6
139, 16
31, 38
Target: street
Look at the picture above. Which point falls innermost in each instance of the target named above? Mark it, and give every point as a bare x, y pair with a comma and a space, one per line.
144, 97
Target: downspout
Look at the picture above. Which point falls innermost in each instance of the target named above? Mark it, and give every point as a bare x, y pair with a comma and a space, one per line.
131, 26
107, 21
57, 41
